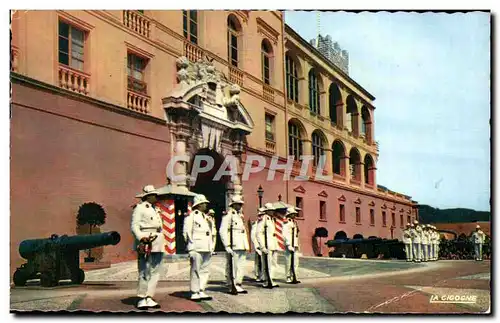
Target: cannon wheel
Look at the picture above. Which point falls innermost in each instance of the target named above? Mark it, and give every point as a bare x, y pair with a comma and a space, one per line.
47, 279
77, 276
20, 277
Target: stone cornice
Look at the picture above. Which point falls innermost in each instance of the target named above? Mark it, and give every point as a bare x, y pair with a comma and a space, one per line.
21, 79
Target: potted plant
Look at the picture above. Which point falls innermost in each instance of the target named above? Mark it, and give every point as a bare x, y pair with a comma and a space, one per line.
92, 214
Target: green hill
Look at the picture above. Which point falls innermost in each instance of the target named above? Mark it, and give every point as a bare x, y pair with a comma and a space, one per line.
428, 214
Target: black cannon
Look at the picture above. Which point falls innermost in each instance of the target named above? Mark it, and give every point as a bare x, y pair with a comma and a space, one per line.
57, 257
372, 247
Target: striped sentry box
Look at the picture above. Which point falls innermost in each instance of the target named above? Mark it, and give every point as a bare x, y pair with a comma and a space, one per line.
278, 223
167, 210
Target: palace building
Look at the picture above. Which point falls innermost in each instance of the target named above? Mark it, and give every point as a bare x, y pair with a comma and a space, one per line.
102, 100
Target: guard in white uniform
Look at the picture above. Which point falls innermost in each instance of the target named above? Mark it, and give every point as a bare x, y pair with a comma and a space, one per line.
478, 237
416, 238
146, 227
291, 238
425, 242
199, 239
268, 244
407, 234
258, 252
437, 241
237, 248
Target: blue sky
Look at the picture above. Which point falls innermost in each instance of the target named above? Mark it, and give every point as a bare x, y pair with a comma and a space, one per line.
430, 74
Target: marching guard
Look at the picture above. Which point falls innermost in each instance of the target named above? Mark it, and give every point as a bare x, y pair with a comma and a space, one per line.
211, 219
268, 244
233, 233
146, 226
258, 253
291, 237
424, 244
437, 240
407, 240
417, 236
478, 237
199, 235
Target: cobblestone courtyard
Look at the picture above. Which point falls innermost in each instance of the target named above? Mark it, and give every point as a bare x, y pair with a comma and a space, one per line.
328, 286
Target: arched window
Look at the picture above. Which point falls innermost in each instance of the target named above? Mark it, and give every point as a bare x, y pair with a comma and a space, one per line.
352, 116
335, 105
294, 140
190, 25
317, 147
338, 158
369, 170
354, 165
233, 31
292, 80
266, 51
366, 125
313, 92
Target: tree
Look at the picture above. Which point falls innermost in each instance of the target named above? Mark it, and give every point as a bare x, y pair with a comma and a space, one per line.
92, 214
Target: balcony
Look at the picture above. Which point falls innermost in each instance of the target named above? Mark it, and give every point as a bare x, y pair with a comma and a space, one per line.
270, 146
14, 55
73, 80
192, 52
236, 75
268, 92
138, 102
137, 22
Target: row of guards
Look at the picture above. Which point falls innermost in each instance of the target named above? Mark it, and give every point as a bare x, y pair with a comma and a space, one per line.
166, 206
153, 226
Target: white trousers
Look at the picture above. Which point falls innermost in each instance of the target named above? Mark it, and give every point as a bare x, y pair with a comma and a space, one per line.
150, 270
409, 251
478, 251
272, 260
288, 264
200, 261
258, 266
425, 252
417, 256
239, 260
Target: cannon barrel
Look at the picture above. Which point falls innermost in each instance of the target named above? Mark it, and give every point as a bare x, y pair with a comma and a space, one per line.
28, 248
338, 242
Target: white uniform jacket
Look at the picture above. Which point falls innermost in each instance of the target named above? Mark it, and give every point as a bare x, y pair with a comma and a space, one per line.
425, 237
417, 235
478, 236
240, 236
146, 221
198, 232
272, 243
290, 228
407, 236
435, 237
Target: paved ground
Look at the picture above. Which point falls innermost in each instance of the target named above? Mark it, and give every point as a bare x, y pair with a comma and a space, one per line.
328, 286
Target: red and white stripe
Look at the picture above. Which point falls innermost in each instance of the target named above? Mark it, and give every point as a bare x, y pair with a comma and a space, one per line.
167, 209
278, 224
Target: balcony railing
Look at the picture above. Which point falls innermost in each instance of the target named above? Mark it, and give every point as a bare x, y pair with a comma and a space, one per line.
268, 92
192, 52
73, 80
134, 20
14, 54
270, 146
138, 102
236, 75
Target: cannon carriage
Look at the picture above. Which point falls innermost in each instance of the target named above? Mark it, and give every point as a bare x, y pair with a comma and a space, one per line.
58, 257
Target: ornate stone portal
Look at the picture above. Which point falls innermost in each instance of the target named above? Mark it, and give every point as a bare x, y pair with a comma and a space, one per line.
204, 111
